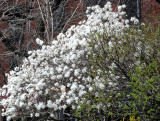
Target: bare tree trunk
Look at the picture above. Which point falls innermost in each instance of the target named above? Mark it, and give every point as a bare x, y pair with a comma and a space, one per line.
1, 118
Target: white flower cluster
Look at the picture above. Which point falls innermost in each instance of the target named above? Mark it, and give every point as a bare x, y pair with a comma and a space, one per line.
55, 76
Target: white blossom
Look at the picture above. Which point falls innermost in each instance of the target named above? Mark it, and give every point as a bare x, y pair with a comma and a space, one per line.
101, 85
40, 42
43, 78
37, 114
52, 115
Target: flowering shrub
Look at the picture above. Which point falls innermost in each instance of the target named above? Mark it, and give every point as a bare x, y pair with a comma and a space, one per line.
56, 75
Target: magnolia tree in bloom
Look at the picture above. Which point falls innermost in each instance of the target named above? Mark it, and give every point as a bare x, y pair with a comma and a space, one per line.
56, 76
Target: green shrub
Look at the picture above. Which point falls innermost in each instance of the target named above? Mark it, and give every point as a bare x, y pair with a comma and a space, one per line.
128, 65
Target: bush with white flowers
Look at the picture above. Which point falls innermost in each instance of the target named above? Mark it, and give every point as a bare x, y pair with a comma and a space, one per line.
56, 76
